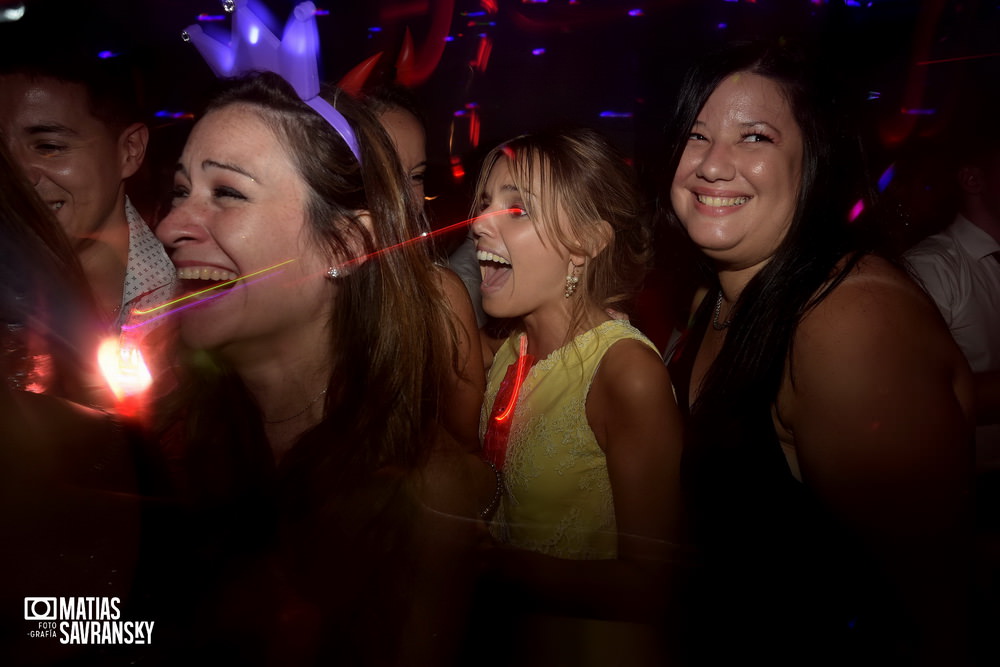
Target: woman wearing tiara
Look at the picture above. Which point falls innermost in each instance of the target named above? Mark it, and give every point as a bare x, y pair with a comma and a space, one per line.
307, 419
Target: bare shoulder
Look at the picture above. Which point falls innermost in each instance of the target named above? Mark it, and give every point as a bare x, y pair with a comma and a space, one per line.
877, 405
629, 370
452, 286
460, 306
631, 400
458, 297
876, 282
874, 369
876, 307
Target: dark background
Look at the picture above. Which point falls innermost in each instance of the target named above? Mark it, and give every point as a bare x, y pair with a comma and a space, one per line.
914, 68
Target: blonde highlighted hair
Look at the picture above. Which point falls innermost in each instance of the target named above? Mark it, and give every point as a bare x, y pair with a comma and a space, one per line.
588, 201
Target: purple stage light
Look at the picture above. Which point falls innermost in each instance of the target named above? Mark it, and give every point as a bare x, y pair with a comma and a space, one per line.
886, 177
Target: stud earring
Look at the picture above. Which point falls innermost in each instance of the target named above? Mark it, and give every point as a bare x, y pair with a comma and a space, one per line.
333, 273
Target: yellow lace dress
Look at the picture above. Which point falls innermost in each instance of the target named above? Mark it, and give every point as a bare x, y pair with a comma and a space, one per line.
557, 499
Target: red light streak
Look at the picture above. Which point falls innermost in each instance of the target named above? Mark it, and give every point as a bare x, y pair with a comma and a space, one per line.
189, 300
474, 128
522, 361
457, 170
958, 59
425, 236
415, 65
404, 10
483, 54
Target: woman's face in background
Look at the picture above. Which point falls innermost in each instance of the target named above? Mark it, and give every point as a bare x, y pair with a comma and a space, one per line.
239, 210
410, 140
736, 186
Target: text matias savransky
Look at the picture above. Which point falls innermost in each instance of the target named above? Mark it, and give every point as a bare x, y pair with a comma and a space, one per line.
85, 620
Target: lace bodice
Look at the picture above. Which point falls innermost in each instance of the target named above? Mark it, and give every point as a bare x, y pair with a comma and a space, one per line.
557, 499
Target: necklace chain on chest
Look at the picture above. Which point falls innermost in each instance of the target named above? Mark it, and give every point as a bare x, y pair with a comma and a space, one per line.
299, 413
715, 317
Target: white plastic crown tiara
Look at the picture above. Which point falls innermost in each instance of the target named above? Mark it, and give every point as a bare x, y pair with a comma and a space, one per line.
253, 47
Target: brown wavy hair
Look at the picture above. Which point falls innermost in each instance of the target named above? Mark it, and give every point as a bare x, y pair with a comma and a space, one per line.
392, 343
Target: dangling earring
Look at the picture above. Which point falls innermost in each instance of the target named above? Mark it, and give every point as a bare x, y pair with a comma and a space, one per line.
333, 273
571, 282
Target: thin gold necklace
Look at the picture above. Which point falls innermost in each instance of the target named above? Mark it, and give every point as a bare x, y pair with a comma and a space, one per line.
299, 413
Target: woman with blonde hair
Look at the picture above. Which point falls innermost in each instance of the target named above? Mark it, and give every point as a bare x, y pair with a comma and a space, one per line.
579, 413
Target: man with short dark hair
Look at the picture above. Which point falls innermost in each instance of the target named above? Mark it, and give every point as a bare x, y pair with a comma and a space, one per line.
77, 137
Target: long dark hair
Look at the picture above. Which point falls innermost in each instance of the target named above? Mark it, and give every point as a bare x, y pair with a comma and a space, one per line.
807, 264
761, 532
339, 510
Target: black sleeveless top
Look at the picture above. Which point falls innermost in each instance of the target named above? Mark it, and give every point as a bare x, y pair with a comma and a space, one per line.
777, 579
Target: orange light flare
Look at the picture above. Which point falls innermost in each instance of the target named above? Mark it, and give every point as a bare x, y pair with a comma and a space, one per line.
181, 303
425, 236
125, 372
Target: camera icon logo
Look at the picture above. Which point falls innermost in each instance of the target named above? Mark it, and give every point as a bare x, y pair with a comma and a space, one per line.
40, 609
